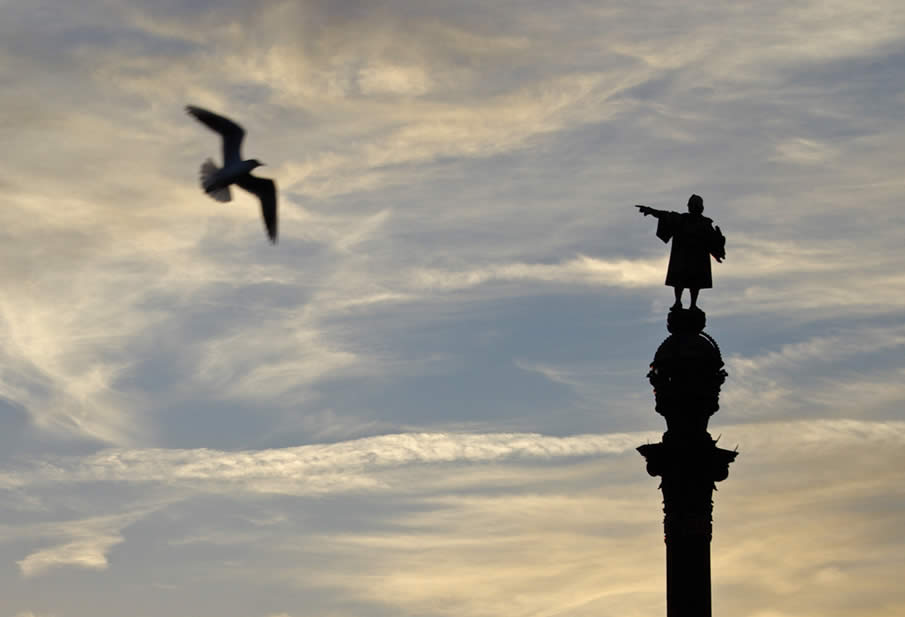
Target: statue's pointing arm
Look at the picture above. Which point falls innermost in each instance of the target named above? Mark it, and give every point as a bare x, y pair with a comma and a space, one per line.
645, 210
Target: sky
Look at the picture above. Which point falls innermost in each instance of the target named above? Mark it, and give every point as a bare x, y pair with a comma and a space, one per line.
425, 399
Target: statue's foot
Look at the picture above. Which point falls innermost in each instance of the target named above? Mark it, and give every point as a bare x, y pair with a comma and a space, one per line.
676, 306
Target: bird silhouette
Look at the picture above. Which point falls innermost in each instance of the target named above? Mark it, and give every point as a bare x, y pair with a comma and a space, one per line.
216, 180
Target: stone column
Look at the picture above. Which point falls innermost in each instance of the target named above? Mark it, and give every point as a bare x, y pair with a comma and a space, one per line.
687, 373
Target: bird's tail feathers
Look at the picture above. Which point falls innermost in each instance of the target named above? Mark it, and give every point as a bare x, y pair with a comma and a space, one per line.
208, 172
222, 195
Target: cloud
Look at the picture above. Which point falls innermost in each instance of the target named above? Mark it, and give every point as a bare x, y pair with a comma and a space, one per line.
580, 270
352, 465
86, 542
315, 469
86, 554
812, 377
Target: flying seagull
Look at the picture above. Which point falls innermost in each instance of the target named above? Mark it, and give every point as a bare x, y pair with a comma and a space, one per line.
216, 181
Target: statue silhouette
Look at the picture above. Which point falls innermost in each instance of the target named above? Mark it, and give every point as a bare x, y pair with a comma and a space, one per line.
694, 240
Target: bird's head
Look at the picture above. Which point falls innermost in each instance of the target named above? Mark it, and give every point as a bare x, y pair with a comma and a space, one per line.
256, 163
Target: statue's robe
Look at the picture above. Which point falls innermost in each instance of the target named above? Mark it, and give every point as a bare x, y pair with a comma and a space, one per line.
693, 241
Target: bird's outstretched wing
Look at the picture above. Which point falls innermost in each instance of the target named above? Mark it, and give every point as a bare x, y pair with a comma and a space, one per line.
231, 132
266, 191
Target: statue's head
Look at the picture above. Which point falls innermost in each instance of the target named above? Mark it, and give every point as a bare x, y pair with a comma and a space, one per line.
695, 204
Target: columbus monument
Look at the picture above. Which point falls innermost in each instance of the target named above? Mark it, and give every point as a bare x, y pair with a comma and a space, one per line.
687, 373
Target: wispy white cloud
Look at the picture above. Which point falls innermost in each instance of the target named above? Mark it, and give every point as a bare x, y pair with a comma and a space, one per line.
788, 381
579, 270
89, 554
315, 469
80, 543
348, 465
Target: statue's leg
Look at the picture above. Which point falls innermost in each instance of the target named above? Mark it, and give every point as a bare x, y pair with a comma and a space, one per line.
678, 291
694, 296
